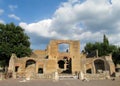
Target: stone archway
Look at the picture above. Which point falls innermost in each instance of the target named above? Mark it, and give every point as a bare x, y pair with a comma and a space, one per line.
99, 66
30, 68
64, 65
61, 64
30, 62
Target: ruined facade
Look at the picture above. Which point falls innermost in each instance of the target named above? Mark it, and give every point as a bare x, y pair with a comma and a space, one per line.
46, 62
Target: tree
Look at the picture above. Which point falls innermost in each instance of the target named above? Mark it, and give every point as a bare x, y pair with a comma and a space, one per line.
116, 56
103, 48
13, 40
105, 40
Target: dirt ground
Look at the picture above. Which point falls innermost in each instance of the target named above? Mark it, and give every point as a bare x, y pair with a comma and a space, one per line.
44, 82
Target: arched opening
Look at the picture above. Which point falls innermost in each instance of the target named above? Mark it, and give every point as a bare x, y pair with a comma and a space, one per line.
61, 64
30, 62
40, 71
65, 65
99, 66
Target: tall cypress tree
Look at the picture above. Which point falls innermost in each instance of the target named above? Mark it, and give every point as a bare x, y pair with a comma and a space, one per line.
105, 40
104, 48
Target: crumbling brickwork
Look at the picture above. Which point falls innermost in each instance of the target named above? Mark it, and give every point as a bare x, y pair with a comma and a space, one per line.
51, 60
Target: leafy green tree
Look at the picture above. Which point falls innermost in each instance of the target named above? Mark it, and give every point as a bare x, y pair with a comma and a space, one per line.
103, 48
13, 40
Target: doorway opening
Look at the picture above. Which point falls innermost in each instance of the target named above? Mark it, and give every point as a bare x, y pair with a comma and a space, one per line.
65, 65
99, 66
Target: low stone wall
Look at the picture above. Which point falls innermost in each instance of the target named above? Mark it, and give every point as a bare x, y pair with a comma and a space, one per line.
96, 76
44, 76
67, 76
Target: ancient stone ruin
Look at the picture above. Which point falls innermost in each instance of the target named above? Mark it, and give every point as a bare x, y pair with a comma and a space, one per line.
53, 64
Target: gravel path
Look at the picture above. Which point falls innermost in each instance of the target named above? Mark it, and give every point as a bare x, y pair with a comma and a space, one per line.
21, 82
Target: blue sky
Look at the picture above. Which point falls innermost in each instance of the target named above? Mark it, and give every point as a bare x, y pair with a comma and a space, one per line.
44, 20
28, 10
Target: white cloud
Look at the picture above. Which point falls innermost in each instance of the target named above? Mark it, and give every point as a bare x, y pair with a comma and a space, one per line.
14, 16
86, 21
1, 11
13, 7
40, 28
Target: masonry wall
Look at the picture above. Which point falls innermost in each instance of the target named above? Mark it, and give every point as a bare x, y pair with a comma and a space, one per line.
74, 52
48, 60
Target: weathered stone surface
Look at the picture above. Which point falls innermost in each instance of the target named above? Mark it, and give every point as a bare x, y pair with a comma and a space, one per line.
45, 63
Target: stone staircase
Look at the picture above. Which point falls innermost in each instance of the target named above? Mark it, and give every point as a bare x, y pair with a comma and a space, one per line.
43, 76
67, 77
52, 76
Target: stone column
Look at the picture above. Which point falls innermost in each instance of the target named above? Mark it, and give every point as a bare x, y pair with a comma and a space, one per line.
36, 67
85, 68
81, 75
56, 76
93, 68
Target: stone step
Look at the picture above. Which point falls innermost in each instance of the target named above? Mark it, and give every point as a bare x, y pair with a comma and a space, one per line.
67, 77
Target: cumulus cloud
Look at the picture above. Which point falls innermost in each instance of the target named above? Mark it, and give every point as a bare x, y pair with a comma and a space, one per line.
14, 16
85, 21
1, 11
41, 28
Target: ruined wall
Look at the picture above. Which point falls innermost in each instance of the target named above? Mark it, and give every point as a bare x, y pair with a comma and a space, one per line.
50, 66
12, 63
74, 52
89, 63
111, 64
48, 61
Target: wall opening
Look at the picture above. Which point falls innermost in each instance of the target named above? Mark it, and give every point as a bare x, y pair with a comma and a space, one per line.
117, 69
46, 57
40, 71
30, 62
89, 71
61, 64
63, 47
99, 66
65, 65
16, 68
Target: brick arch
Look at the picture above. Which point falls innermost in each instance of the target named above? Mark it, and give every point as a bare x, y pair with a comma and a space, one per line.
64, 65
30, 62
98, 59
61, 64
99, 65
